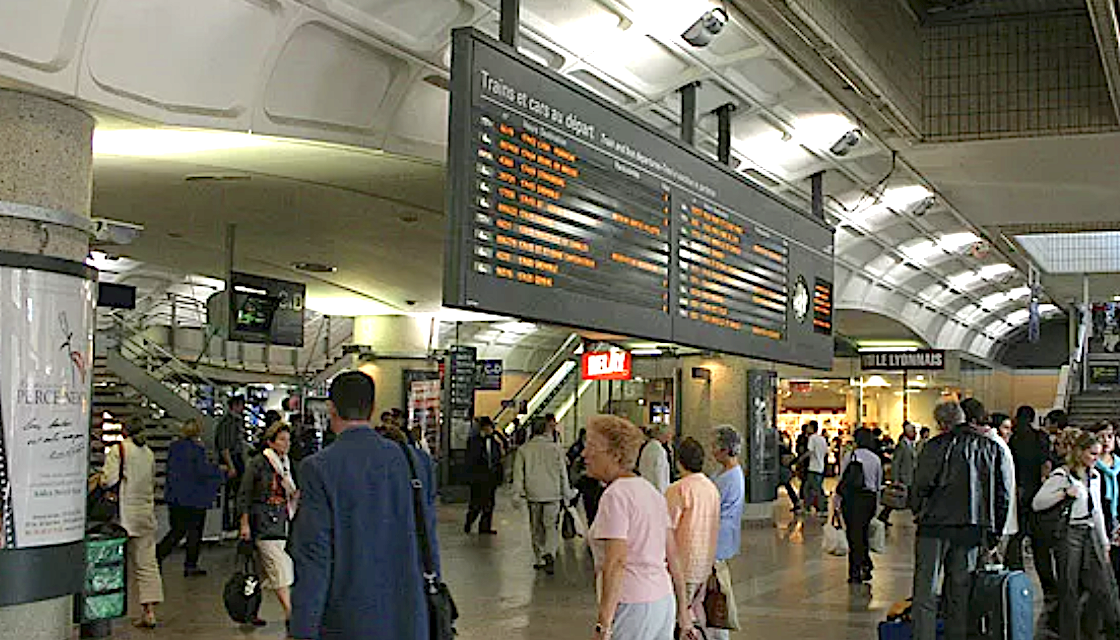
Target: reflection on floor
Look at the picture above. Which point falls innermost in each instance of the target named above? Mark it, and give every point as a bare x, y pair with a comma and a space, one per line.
785, 586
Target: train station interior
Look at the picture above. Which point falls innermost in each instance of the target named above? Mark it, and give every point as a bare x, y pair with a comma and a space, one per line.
686, 213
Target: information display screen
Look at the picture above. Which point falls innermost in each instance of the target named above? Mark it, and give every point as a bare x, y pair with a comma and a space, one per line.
565, 209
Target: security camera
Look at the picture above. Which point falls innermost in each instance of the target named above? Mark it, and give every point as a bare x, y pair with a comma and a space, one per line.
923, 206
706, 28
115, 231
846, 143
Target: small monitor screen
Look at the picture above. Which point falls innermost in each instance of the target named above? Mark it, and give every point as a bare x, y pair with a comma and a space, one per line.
254, 312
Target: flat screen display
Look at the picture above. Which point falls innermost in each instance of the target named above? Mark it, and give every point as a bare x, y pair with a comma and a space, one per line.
565, 209
254, 312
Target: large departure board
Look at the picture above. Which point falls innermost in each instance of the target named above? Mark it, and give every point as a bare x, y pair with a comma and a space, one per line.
565, 209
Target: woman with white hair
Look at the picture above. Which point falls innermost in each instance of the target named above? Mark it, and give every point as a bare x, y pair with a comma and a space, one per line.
732, 487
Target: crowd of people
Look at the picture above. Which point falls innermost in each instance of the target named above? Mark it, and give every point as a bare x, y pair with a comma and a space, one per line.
660, 530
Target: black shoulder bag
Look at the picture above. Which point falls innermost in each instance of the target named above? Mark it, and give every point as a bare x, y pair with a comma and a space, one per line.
442, 612
1051, 523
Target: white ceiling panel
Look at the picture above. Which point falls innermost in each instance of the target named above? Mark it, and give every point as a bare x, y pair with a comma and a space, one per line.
1085, 252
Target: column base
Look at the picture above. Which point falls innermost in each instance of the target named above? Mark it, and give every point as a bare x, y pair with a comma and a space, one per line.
43, 620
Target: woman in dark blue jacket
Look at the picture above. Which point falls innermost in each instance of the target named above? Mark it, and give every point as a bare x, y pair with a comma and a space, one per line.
192, 485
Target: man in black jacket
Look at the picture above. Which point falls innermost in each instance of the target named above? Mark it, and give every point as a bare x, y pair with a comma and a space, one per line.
484, 460
961, 500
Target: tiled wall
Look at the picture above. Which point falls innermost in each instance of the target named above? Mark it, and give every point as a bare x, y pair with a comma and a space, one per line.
1014, 77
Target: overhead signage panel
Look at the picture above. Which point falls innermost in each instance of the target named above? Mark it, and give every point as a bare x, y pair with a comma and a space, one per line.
922, 359
565, 209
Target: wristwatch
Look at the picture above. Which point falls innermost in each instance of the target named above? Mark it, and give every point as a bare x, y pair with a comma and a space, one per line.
604, 632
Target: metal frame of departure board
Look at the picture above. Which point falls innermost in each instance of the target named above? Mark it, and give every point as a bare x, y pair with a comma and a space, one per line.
565, 209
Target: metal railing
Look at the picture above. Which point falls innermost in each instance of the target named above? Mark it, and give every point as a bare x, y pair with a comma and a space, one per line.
536, 382
1072, 378
133, 343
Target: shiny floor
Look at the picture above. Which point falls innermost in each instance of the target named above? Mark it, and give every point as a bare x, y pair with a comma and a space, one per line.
785, 586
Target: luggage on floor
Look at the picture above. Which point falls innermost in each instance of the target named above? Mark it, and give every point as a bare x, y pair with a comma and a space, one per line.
1001, 605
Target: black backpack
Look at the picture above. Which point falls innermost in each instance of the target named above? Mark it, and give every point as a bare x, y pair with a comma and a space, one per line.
242, 594
852, 481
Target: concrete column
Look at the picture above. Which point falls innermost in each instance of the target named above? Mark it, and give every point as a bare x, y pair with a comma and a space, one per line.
45, 190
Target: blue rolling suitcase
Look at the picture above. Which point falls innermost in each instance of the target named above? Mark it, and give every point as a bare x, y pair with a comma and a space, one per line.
1001, 606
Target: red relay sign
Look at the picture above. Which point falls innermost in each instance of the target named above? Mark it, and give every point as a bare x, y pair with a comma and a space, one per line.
607, 365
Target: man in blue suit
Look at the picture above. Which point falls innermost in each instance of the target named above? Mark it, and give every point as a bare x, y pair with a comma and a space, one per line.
354, 544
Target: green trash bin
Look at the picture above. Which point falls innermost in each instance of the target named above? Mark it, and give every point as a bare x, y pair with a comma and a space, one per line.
104, 595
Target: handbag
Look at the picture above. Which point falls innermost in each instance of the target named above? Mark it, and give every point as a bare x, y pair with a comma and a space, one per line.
242, 592
103, 504
568, 525
1051, 524
717, 613
895, 496
442, 612
835, 542
877, 536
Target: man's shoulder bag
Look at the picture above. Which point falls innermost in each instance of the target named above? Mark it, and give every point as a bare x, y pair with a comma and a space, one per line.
442, 612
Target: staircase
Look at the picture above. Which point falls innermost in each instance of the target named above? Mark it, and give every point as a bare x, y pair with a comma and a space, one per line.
114, 403
1089, 407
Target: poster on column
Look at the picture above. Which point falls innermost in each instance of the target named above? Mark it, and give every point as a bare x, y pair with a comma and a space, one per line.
45, 369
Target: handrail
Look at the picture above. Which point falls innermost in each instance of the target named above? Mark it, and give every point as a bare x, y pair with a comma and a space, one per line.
562, 353
145, 349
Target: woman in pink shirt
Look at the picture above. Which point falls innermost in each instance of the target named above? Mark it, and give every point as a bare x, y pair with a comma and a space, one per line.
694, 517
639, 578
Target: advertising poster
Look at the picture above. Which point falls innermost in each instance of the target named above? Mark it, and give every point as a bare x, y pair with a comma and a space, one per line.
45, 372
423, 412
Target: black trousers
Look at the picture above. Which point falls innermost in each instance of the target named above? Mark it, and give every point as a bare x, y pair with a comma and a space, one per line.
590, 490
188, 522
482, 502
858, 510
788, 484
1083, 568
231, 520
1040, 549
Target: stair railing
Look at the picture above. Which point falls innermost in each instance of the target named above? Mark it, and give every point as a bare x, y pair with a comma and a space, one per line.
533, 385
1072, 378
163, 365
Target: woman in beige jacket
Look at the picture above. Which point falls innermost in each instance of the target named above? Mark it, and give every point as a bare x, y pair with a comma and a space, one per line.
138, 515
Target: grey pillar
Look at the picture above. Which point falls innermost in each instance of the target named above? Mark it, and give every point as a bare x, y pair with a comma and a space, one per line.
46, 173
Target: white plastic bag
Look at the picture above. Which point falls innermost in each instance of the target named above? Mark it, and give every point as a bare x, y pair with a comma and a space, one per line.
877, 536
835, 542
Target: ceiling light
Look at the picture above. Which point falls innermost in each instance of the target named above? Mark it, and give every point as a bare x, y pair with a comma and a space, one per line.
995, 270
899, 198
921, 251
821, 130
314, 267
348, 305
169, 142
876, 381
706, 28
1018, 292
1018, 317
645, 352
963, 280
953, 241
517, 327
1046, 308
1116, 298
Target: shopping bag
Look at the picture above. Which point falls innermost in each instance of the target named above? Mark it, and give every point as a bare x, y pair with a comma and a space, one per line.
877, 536
835, 542
579, 527
896, 496
242, 592
716, 609
568, 525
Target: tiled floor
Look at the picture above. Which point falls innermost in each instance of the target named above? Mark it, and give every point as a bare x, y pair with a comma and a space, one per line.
785, 587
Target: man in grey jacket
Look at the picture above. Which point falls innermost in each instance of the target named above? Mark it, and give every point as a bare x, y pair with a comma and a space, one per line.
540, 476
902, 464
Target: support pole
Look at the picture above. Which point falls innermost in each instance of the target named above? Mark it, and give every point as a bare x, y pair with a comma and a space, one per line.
724, 115
688, 113
905, 395
816, 181
510, 22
